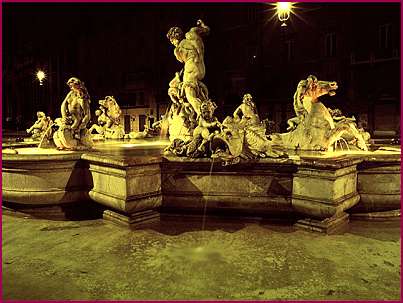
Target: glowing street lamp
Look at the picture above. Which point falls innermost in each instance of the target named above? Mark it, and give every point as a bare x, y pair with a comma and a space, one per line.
283, 11
40, 75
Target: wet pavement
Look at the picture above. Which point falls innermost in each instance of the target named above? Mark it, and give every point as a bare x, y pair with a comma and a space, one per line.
175, 259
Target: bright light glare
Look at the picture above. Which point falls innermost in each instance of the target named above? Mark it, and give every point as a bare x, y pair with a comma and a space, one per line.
40, 75
283, 11
283, 6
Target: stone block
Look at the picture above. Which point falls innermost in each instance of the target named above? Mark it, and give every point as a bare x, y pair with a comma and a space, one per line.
333, 225
261, 187
127, 187
322, 189
133, 220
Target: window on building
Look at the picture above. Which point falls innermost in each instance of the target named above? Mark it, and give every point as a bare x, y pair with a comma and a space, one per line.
134, 98
140, 99
330, 44
384, 32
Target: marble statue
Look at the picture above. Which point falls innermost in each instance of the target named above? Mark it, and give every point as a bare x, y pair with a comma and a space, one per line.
38, 129
186, 90
248, 111
72, 132
189, 50
314, 127
349, 138
108, 119
102, 119
207, 127
240, 136
246, 135
193, 129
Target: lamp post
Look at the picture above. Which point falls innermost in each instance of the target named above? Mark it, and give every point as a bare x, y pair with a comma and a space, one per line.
283, 14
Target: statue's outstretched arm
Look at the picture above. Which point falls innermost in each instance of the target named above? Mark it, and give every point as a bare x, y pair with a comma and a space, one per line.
203, 29
237, 112
200, 30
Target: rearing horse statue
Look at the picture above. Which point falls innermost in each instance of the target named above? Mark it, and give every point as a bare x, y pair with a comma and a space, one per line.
314, 128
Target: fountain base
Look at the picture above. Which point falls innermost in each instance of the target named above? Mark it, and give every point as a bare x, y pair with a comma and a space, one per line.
133, 188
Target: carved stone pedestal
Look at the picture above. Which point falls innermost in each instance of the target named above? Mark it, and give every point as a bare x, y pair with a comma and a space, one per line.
333, 225
129, 188
322, 190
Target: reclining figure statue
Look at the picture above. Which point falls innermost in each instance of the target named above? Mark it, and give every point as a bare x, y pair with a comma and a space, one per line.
38, 129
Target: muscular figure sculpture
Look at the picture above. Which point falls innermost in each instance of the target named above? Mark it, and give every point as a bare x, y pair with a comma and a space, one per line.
189, 50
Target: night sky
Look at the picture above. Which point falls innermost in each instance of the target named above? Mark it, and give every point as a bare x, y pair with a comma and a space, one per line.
103, 43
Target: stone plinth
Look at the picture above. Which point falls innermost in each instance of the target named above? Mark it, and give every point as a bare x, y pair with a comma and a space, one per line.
258, 187
45, 178
323, 189
129, 187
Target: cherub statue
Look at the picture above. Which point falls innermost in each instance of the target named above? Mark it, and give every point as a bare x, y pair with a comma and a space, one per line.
208, 125
40, 126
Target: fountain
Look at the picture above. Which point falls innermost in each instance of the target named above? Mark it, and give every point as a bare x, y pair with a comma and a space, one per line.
234, 165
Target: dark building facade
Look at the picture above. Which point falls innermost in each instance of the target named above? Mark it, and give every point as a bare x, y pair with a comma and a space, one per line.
122, 50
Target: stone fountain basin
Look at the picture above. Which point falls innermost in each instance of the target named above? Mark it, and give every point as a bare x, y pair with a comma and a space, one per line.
134, 181
43, 176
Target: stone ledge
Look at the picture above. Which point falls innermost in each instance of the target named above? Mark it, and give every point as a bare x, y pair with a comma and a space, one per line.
51, 197
139, 203
132, 220
377, 216
332, 225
